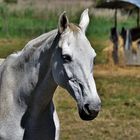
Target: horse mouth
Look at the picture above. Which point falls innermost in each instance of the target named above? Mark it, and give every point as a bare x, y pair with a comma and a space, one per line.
87, 116
84, 111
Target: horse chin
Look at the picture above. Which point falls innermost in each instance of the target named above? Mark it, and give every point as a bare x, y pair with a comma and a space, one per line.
87, 117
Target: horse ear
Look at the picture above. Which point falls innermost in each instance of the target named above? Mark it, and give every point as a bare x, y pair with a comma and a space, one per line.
84, 20
63, 22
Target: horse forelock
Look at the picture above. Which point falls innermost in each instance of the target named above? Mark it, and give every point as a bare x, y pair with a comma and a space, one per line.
74, 28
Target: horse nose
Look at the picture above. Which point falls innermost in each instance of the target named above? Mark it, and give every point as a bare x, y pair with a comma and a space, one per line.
89, 111
92, 113
92, 109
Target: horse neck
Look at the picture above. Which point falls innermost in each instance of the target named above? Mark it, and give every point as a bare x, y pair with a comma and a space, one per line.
34, 59
21, 73
39, 102
43, 92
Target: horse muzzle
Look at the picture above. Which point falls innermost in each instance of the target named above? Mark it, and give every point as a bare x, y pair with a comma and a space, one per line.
86, 114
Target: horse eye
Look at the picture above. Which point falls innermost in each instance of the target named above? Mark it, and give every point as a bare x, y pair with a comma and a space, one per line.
66, 58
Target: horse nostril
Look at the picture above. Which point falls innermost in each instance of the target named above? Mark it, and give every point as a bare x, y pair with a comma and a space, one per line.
86, 106
90, 110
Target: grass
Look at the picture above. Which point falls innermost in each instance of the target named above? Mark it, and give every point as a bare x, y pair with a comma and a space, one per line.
25, 27
8, 46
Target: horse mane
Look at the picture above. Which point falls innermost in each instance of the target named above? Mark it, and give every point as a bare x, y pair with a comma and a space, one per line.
25, 54
30, 48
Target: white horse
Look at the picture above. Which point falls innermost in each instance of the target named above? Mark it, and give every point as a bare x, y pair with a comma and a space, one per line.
28, 80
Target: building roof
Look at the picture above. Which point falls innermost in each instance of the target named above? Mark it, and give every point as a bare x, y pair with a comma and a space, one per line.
125, 4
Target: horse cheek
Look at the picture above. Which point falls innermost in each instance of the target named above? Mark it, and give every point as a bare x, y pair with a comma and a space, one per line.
58, 75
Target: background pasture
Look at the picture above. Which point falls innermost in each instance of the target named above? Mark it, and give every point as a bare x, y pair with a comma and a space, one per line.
119, 87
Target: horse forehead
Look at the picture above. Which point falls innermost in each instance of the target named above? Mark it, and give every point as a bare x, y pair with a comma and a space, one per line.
78, 43
84, 48
77, 40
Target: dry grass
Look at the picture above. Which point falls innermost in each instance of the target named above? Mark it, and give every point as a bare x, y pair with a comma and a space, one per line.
107, 70
8, 46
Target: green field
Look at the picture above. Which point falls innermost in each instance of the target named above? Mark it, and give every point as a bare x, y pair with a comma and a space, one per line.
119, 118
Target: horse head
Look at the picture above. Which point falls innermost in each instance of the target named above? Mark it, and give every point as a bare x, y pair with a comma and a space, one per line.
72, 65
